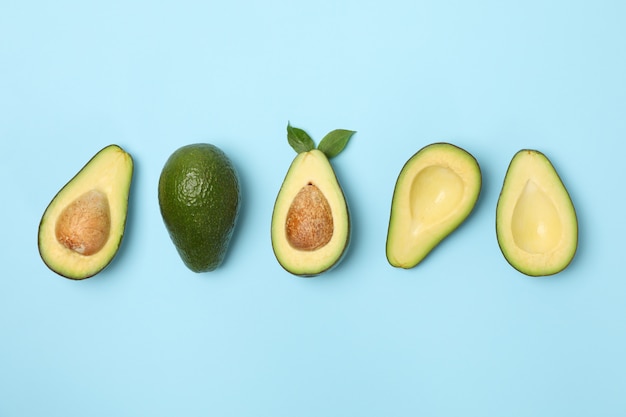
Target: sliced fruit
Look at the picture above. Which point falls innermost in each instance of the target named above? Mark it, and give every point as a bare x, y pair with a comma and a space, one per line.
435, 192
311, 222
82, 228
536, 222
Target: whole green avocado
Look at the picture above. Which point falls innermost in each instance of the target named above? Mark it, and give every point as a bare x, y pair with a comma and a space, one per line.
200, 198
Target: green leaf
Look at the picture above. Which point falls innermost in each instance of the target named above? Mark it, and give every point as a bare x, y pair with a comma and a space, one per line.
299, 140
334, 142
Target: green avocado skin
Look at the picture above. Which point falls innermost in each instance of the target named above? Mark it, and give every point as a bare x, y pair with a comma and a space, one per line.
200, 198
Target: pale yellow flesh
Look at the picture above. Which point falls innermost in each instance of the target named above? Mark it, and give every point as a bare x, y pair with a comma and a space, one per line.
107, 173
436, 190
310, 167
536, 222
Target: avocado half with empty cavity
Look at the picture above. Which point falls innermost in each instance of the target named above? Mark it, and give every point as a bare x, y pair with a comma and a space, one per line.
435, 192
82, 228
311, 222
536, 223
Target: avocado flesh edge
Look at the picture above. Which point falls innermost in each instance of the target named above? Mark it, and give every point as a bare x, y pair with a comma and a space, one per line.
311, 167
532, 167
435, 192
110, 171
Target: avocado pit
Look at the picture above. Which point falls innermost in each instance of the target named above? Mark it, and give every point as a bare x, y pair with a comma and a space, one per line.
85, 224
309, 223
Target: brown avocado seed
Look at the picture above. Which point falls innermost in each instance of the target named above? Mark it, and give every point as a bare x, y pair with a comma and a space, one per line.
309, 224
84, 225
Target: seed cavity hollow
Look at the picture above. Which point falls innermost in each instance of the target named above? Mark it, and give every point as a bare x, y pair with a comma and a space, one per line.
85, 224
435, 195
309, 225
535, 223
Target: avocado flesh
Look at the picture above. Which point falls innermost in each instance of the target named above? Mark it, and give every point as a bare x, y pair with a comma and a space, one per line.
435, 192
536, 222
82, 228
310, 222
199, 199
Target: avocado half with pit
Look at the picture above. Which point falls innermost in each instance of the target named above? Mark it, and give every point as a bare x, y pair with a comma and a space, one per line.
536, 223
311, 222
82, 228
435, 192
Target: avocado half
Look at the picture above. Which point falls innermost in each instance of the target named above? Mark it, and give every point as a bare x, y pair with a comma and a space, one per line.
82, 228
536, 223
435, 192
311, 221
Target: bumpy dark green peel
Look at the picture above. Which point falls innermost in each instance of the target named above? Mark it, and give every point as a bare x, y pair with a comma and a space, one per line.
200, 197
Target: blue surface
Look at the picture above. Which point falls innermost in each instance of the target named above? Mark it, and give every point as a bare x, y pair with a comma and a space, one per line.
461, 334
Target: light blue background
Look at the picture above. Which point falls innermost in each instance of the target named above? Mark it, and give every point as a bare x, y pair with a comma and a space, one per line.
461, 334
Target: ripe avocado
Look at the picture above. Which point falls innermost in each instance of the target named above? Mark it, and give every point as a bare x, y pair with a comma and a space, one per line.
199, 198
435, 192
311, 222
82, 228
536, 222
